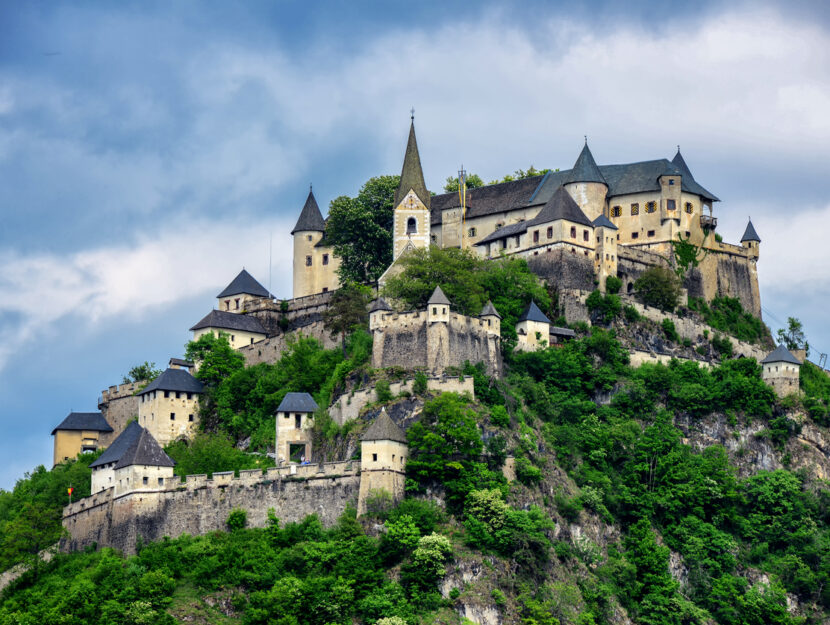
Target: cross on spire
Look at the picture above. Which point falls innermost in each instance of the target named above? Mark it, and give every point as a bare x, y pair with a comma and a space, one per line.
412, 113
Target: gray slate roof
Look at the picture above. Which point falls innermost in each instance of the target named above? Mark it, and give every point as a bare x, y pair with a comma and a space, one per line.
561, 206
384, 429
119, 446
244, 283
84, 421
412, 174
603, 222
438, 297
230, 321
557, 331
311, 219
174, 380
781, 354
532, 313
297, 402
489, 310
505, 232
181, 362
750, 234
585, 169
144, 449
379, 304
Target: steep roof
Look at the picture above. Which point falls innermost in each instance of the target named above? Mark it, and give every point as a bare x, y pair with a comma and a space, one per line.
532, 313
384, 429
561, 206
145, 450
585, 169
379, 304
174, 380
84, 421
229, 321
603, 222
503, 233
679, 162
489, 310
412, 175
297, 402
438, 297
750, 234
244, 283
781, 354
119, 446
311, 219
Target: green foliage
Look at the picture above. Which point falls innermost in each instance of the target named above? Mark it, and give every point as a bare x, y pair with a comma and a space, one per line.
383, 392
360, 230
669, 330
659, 287
793, 335
217, 359
144, 372
428, 560
499, 416
606, 307
347, 311
209, 453
237, 519
815, 384
631, 314
473, 182
687, 255
521, 174
723, 346
727, 315
419, 384
613, 285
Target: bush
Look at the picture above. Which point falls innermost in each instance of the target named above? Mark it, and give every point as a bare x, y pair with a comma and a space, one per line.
670, 331
499, 416
237, 519
659, 287
607, 307
383, 392
527, 473
419, 385
722, 345
727, 315
631, 314
613, 285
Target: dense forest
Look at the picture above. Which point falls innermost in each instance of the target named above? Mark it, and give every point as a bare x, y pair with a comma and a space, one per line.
618, 513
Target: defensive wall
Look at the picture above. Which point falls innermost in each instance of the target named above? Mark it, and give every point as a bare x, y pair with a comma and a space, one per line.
118, 404
270, 350
348, 406
564, 270
200, 505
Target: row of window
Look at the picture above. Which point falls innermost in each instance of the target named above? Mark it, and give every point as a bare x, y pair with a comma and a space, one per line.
152, 395
651, 207
309, 260
190, 417
228, 304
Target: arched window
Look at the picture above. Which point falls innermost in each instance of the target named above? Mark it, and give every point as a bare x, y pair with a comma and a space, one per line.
411, 226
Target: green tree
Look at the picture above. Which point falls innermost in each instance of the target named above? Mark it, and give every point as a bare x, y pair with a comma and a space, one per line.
473, 182
793, 336
145, 372
347, 311
659, 287
217, 359
360, 230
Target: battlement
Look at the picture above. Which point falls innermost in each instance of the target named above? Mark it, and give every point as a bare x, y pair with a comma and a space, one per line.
119, 391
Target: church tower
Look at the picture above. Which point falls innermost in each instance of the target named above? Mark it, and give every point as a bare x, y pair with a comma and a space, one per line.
411, 227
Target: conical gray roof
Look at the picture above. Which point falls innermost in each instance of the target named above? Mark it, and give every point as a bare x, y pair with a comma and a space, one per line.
561, 206
311, 219
379, 304
489, 310
585, 169
412, 175
384, 429
603, 222
438, 297
781, 354
244, 284
750, 234
532, 313
679, 162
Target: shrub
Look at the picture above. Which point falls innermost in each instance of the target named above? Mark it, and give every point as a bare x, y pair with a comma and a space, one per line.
419, 385
613, 285
722, 345
498, 597
499, 416
631, 314
383, 392
527, 473
670, 331
727, 315
659, 287
607, 307
237, 519
378, 503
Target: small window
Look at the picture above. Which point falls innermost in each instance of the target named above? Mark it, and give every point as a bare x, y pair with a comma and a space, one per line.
411, 226
190, 395
690, 208
635, 209
550, 232
252, 338
167, 393
573, 232
517, 240
616, 211
471, 232
233, 338
651, 233
434, 310
670, 205
443, 311
585, 235
308, 237
161, 481
535, 236
308, 261
172, 416
688, 234
227, 304
145, 480
236, 303
374, 457
325, 290
325, 259
298, 422
393, 457
190, 418
504, 244
499, 225
178, 395
635, 235
433, 238
651, 207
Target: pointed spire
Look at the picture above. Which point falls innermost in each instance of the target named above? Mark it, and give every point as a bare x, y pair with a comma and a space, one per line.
384, 429
489, 310
585, 169
680, 163
412, 175
532, 313
750, 234
311, 219
438, 297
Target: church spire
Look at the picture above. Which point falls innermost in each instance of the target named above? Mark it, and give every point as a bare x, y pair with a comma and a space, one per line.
412, 176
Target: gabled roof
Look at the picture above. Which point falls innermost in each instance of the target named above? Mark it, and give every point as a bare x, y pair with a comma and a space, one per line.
489, 310
412, 175
561, 206
144, 449
438, 297
93, 421
503, 233
585, 169
603, 222
384, 429
379, 304
297, 402
230, 321
781, 354
311, 219
174, 380
532, 313
119, 446
750, 234
244, 283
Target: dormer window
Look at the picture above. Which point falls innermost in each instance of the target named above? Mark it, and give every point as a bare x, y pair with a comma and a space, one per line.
411, 226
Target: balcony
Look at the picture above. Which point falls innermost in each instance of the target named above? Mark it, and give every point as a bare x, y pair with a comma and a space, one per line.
707, 222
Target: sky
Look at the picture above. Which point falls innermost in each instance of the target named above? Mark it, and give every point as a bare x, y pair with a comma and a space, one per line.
150, 150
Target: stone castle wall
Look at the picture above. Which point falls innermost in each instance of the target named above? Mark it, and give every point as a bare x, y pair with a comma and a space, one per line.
270, 350
201, 505
564, 270
118, 404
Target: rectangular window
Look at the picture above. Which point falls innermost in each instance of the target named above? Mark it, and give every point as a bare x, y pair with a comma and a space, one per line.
635, 235
167, 393
308, 261
503, 243
325, 290
178, 395
535, 236
635, 209
190, 395
298, 422
670, 205
585, 235
688, 234
550, 232
651, 233
471, 232
374, 457
172, 416
573, 232
517, 241
252, 338
671, 182
190, 418
145, 480
651, 207
325, 259
689, 208
236, 303
616, 211
161, 481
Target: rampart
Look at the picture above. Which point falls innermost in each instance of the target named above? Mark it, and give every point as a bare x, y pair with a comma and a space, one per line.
200, 505
348, 406
270, 350
118, 404
564, 270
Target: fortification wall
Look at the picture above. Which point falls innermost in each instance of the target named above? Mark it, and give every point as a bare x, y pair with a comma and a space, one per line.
200, 505
348, 406
270, 350
564, 270
730, 274
118, 404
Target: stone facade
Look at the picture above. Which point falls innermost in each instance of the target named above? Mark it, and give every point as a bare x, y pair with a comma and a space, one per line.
382, 468
118, 404
169, 415
783, 377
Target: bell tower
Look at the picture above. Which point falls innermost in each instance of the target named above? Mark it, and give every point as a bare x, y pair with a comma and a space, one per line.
411, 227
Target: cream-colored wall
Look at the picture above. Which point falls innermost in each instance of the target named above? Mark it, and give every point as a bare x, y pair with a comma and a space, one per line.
589, 196
237, 338
410, 206
486, 225
131, 478
382, 467
526, 333
605, 256
69, 443
288, 434
235, 303
154, 414
103, 478
317, 277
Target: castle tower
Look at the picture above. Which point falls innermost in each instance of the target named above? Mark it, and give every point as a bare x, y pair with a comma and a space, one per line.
532, 329
492, 318
168, 407
605, 257
295, 418
376, 311
79, 432
438, 307
670, 200
781, 370
586, 184
383, 454
412, 217
243, 289
750, 241
315, 267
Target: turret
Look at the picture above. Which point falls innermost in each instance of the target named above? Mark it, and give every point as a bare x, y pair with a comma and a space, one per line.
376, 311
438, 307
605, 257
313, 260
587, 185
751, 241
412, 217
670, 195
243, 289
383, 454
532, 329
492, 318
295, 418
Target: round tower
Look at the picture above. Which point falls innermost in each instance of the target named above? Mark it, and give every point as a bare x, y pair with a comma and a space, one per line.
309, 270
586, 184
